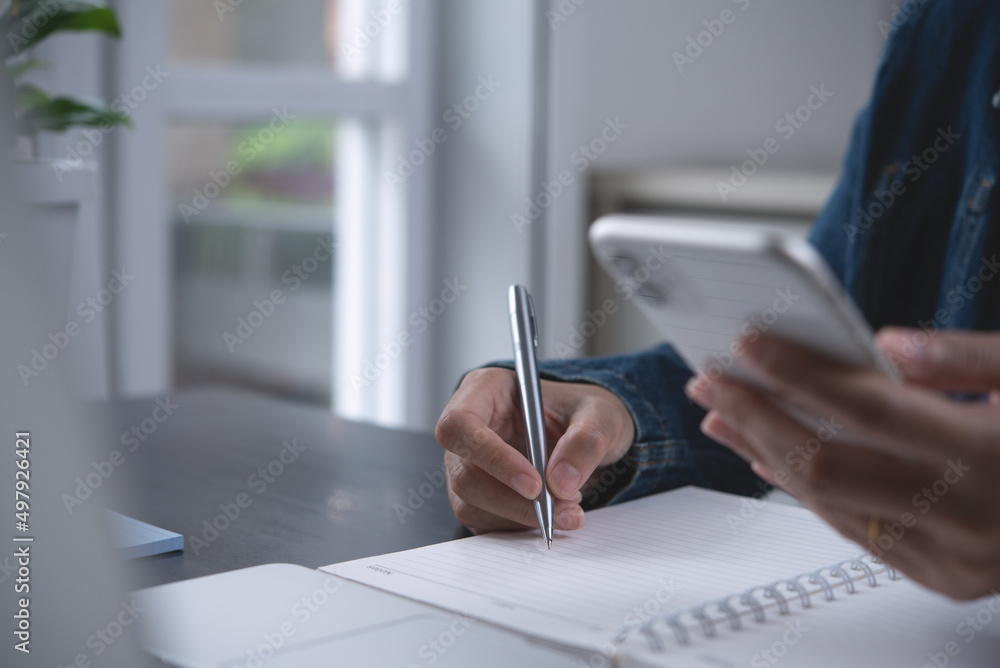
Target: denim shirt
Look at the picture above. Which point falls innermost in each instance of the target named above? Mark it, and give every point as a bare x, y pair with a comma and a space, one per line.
911, 230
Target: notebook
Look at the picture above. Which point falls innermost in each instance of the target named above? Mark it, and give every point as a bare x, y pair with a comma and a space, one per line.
694, 578
134, 538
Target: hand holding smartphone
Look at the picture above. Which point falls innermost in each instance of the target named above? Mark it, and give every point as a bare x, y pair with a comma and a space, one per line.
706, 285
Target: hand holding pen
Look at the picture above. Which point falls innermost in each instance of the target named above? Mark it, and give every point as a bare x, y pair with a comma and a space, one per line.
492, 484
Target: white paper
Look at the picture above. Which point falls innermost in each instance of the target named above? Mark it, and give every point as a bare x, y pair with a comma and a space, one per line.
664, 552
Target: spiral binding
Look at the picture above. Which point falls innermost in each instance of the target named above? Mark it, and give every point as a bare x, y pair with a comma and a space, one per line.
755, 600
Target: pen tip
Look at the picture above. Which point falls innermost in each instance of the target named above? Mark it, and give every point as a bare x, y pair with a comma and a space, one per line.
549, 541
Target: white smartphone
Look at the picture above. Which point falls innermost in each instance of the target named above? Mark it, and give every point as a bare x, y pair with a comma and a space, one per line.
705, 284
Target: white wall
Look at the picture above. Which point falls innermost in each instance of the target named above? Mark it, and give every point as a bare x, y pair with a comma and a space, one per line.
613, 58
485, 171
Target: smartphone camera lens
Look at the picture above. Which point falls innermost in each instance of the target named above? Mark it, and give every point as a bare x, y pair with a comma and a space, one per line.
626, 266
652, 292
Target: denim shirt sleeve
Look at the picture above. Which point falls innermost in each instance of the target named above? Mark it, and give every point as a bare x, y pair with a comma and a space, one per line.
669, 449
912, 229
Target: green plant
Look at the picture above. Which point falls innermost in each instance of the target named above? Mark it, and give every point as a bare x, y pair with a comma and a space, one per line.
25, 23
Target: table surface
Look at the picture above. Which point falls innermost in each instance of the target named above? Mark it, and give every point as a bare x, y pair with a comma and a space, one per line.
309, 488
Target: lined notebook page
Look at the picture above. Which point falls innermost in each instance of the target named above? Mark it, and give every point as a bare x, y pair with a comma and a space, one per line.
664, 552
898, 625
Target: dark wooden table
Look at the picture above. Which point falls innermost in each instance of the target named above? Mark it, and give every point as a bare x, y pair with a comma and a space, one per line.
249, 480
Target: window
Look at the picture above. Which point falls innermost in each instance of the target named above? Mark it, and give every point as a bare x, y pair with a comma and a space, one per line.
252, 195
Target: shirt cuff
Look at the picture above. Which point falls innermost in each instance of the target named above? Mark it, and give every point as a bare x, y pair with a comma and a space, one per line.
669, 450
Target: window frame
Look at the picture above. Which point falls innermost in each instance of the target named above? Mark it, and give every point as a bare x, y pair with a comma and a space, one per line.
398, 277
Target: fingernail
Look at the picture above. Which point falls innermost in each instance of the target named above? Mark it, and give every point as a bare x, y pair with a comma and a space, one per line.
756, 351
890, 340
526, 486
570, 519
701, 390
566, 479
715, 427
911, 350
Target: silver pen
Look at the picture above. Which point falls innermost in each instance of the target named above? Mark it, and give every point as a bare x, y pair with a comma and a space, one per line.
524, 333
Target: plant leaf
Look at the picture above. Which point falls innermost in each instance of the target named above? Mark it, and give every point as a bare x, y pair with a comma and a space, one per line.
59, 114
29, 96
19, 69
7, 109
36, 21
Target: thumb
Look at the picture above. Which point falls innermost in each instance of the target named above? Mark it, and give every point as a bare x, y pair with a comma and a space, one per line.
960, 361
600, 431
